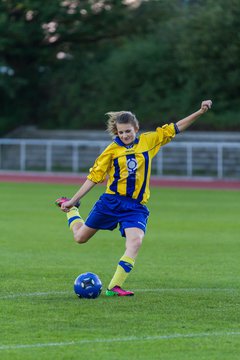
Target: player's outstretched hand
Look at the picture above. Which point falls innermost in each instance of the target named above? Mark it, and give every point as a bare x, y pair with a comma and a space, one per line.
66, 206
206, 105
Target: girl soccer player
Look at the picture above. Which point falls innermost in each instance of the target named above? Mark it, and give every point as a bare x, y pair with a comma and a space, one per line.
127, 164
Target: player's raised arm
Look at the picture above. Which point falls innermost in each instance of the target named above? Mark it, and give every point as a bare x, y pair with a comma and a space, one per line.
187, 121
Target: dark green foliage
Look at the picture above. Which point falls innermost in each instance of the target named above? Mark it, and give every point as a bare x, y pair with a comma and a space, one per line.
159, 60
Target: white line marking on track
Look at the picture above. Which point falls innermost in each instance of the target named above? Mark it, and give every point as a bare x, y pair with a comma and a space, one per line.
123, 339
160, 290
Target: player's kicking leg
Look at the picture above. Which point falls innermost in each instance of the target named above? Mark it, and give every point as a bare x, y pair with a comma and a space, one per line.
81, 232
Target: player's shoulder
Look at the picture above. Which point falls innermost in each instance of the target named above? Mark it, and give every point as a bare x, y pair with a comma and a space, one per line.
157, 129
111, 147
148, 135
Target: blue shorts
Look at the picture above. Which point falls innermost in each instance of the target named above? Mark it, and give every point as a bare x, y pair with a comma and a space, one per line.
111, 210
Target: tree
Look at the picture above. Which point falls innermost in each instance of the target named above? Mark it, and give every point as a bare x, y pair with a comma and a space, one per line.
210, 52
64, 63
38, 39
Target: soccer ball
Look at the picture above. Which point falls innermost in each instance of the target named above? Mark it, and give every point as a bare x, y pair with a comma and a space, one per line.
88, 286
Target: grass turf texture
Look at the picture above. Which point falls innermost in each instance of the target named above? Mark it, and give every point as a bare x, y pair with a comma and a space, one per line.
186, 279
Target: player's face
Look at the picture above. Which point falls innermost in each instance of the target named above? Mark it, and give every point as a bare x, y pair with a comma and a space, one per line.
127, 133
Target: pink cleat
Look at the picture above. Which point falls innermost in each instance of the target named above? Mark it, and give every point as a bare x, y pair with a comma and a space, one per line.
118, 291
63, 199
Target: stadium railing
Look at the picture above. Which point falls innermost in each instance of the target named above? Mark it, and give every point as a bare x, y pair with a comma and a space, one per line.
189, 159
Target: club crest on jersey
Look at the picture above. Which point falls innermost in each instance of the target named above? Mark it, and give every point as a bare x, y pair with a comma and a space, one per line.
131, 165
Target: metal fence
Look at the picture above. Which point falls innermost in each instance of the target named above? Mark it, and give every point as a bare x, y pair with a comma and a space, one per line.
207, 159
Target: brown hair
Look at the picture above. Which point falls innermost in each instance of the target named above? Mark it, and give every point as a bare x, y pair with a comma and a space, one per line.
120, 117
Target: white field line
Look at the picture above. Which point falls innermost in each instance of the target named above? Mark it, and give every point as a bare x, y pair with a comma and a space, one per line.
33, 294
160, 290
188, 290
120, 340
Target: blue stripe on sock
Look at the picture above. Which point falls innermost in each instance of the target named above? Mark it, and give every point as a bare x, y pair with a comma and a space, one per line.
72, 219
126, 266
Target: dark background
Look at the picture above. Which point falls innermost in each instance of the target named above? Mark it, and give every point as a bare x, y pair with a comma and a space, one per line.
64, 64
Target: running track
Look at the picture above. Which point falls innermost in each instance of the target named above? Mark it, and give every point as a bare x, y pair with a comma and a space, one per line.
74, 179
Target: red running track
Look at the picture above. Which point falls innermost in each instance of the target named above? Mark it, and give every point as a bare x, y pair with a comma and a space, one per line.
24, 177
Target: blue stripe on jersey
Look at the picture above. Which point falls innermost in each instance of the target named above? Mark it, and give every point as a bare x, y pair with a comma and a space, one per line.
131, 179
113, 186
142, 191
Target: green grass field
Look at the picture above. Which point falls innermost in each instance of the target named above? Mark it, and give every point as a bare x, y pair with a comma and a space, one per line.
186, 280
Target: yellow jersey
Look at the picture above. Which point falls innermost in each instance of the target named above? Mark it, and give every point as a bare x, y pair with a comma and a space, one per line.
128, 168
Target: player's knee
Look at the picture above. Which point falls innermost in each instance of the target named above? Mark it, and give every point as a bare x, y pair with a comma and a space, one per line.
80, 239
137, 241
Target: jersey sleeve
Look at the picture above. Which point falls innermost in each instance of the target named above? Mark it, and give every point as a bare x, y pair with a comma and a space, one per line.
166, 133
101, 166
160, 137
